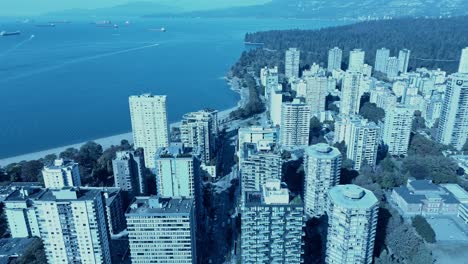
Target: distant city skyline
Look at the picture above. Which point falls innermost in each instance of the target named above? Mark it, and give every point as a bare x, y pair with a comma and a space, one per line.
33, 8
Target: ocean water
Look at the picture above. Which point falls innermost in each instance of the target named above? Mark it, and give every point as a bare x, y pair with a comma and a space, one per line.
70, 83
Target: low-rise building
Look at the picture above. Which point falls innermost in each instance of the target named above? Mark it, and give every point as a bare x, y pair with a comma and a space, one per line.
422, 197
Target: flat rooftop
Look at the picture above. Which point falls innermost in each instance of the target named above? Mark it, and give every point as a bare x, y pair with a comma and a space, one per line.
154, 205
70, 194
23, 193
457, 191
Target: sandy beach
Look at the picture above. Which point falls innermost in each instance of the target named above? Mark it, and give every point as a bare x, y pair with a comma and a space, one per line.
106, 142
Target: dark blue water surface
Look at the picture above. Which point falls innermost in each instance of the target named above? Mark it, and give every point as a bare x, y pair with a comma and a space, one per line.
71, 83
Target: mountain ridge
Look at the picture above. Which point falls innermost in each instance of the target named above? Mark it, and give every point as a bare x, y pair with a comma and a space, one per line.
341, 9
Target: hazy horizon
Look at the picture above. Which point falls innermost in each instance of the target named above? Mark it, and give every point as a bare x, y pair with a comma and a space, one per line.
33, 8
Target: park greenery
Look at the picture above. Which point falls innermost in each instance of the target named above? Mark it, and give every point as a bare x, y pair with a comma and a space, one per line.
439, 42
254, 104
424, 229
371, 112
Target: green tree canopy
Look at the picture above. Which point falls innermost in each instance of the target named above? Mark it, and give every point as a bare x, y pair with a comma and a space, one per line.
371, 112
424, 229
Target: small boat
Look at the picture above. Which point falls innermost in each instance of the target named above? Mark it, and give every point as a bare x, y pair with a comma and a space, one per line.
6, 34
158, 29
103, 22
46, 25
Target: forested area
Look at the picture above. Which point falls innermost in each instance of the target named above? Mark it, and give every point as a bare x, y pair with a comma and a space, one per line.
434, 43
95, 165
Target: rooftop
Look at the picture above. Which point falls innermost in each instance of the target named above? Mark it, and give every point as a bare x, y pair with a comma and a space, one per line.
322, 150
70, 194
175, 150
352, 196
22, 193
60, 164
154, 205
148, 95
457, 191
422, 185
425, 194
110, 193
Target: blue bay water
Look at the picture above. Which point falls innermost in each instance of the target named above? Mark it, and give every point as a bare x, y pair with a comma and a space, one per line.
71, 83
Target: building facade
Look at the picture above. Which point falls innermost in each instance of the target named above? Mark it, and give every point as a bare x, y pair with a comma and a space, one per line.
276, 102
317, 91
463, 67
422, 197
197, 131
257, 134
269, 79
271, 226
62, 173
381, 58
162, 230
295, 124
352, 224
129, 172
259, 165
453, 123
392, 67
21, 213
350, 94
149, 124
322, 166
397, 129
72, 224
403, 60
356, 60
335, 56
177, 172
363, 142
292, 61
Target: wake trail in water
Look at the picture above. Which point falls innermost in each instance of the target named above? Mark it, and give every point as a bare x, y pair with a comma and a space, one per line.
17, 46
74, 61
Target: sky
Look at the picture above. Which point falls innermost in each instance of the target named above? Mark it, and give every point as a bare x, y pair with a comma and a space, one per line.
38, 7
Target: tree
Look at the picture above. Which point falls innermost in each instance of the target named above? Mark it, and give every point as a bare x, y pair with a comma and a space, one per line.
125, 145
439, 169
35, 254
14, 172
315, 129
69, 153
402, 241
424, 229
418, 121
48, 159
293, 175
31, 171
420, 145
3, 221
371, 112
90, 151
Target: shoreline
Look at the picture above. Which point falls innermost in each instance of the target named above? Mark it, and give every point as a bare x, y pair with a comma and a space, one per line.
106, 142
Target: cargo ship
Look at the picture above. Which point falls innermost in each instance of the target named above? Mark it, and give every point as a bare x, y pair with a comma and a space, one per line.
6, 34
